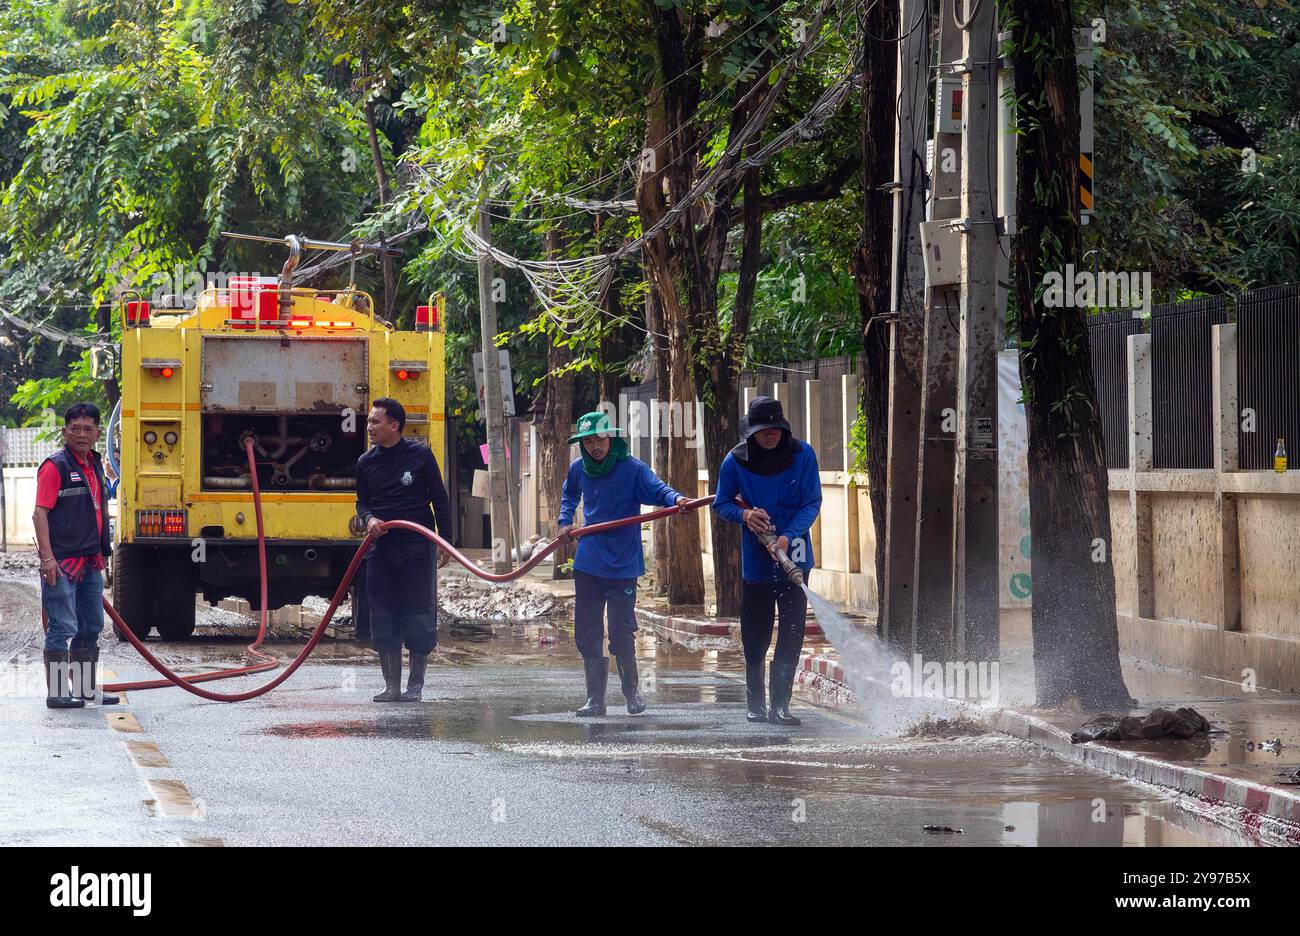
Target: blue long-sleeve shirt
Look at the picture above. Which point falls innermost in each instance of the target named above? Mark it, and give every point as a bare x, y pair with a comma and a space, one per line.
619, 494
792, 499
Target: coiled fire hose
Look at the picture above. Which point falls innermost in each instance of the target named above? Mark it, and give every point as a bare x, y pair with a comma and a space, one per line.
269, 663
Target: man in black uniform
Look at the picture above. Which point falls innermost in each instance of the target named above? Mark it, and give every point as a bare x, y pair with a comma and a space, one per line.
397, 480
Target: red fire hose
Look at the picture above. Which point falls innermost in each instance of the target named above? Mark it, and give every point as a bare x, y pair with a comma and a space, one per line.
269, 663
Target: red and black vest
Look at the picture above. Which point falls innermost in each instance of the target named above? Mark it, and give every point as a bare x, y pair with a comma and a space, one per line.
73, 528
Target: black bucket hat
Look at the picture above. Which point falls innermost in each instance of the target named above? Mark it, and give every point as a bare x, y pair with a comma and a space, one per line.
764, 413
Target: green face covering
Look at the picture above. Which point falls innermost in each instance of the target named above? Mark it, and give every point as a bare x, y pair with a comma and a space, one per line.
598, 469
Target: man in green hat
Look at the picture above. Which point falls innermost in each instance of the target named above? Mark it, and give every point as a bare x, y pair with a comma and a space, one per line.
611, 485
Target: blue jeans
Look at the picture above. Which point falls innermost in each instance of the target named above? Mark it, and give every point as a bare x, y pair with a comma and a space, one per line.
75, 612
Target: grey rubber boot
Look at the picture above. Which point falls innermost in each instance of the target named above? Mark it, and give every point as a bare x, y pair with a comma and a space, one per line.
390, 663
596, 670
755, 696
630, 681
58, 687
415, 683
781, 686
85, 665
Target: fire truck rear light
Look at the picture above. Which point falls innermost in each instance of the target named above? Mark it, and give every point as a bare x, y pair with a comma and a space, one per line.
137, 314
165, 372
402, 375
301, 323
160, 522
338, 324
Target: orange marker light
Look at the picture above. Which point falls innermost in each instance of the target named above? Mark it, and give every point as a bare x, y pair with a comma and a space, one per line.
402, 375
163, 372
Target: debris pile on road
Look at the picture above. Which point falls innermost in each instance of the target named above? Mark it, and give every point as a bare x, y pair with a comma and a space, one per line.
25, 561
1161, 724
463, 600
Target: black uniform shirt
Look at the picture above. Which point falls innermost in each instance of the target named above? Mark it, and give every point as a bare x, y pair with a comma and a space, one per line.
399, 483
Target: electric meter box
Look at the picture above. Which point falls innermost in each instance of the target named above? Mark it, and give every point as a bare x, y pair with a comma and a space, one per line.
941, 247
947, 104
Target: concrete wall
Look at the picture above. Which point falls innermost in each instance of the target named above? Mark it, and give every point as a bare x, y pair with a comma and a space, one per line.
20, 501
1207, 573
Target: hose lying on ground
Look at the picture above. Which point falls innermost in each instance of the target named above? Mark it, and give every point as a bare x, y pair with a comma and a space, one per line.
188, 683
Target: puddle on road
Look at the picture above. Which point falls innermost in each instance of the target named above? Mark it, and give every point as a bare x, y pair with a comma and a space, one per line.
695, 736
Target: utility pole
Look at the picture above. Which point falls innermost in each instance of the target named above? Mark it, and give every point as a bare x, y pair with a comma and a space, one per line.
932, 600
975, 556
495, 410
906, 332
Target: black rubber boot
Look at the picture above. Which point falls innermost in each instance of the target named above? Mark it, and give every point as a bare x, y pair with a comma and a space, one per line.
58, 687
628, 678
755, 697
781, 685
390, 664
415, 683
597, 673
85, 664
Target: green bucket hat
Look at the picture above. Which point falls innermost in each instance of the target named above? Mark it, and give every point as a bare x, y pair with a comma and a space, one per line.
591, 424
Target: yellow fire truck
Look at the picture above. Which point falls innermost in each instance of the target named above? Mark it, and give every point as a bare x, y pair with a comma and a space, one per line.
295, 369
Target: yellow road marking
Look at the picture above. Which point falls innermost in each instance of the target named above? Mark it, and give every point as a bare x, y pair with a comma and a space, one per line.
146, 754
123, 721
173, 799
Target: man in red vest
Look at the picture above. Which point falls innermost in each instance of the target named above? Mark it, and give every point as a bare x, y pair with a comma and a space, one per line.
73, 540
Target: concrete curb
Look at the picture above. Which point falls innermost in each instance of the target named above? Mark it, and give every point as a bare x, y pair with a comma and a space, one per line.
1267, 811
1251, 805
677, 625
686, 627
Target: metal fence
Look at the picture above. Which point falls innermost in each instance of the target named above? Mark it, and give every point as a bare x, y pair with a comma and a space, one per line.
1268, 364
1182, 384
1108, 342
26, 446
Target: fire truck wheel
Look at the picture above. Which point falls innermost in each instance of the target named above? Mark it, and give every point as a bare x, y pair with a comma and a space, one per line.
176, 602
131, 595
153, 589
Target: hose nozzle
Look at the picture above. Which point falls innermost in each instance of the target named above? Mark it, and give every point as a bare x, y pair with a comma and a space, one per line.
768, 540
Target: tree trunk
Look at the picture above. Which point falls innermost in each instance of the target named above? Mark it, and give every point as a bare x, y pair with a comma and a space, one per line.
871, 268
611, 343
557, 425
684, 571
722, 419
654, 319
1075, 637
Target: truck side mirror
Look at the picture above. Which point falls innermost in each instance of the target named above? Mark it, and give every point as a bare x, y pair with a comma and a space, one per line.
101, 363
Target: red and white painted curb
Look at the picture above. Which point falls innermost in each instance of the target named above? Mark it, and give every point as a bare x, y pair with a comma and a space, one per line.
1237, 800
825, 667
674, 625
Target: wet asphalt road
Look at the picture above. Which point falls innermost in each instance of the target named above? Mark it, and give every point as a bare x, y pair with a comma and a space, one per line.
494, 756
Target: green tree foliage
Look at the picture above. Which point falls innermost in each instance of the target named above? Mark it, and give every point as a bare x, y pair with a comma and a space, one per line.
1183, 88
148, 128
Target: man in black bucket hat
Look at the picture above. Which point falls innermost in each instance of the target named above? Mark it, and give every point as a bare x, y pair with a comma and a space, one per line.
776, 477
